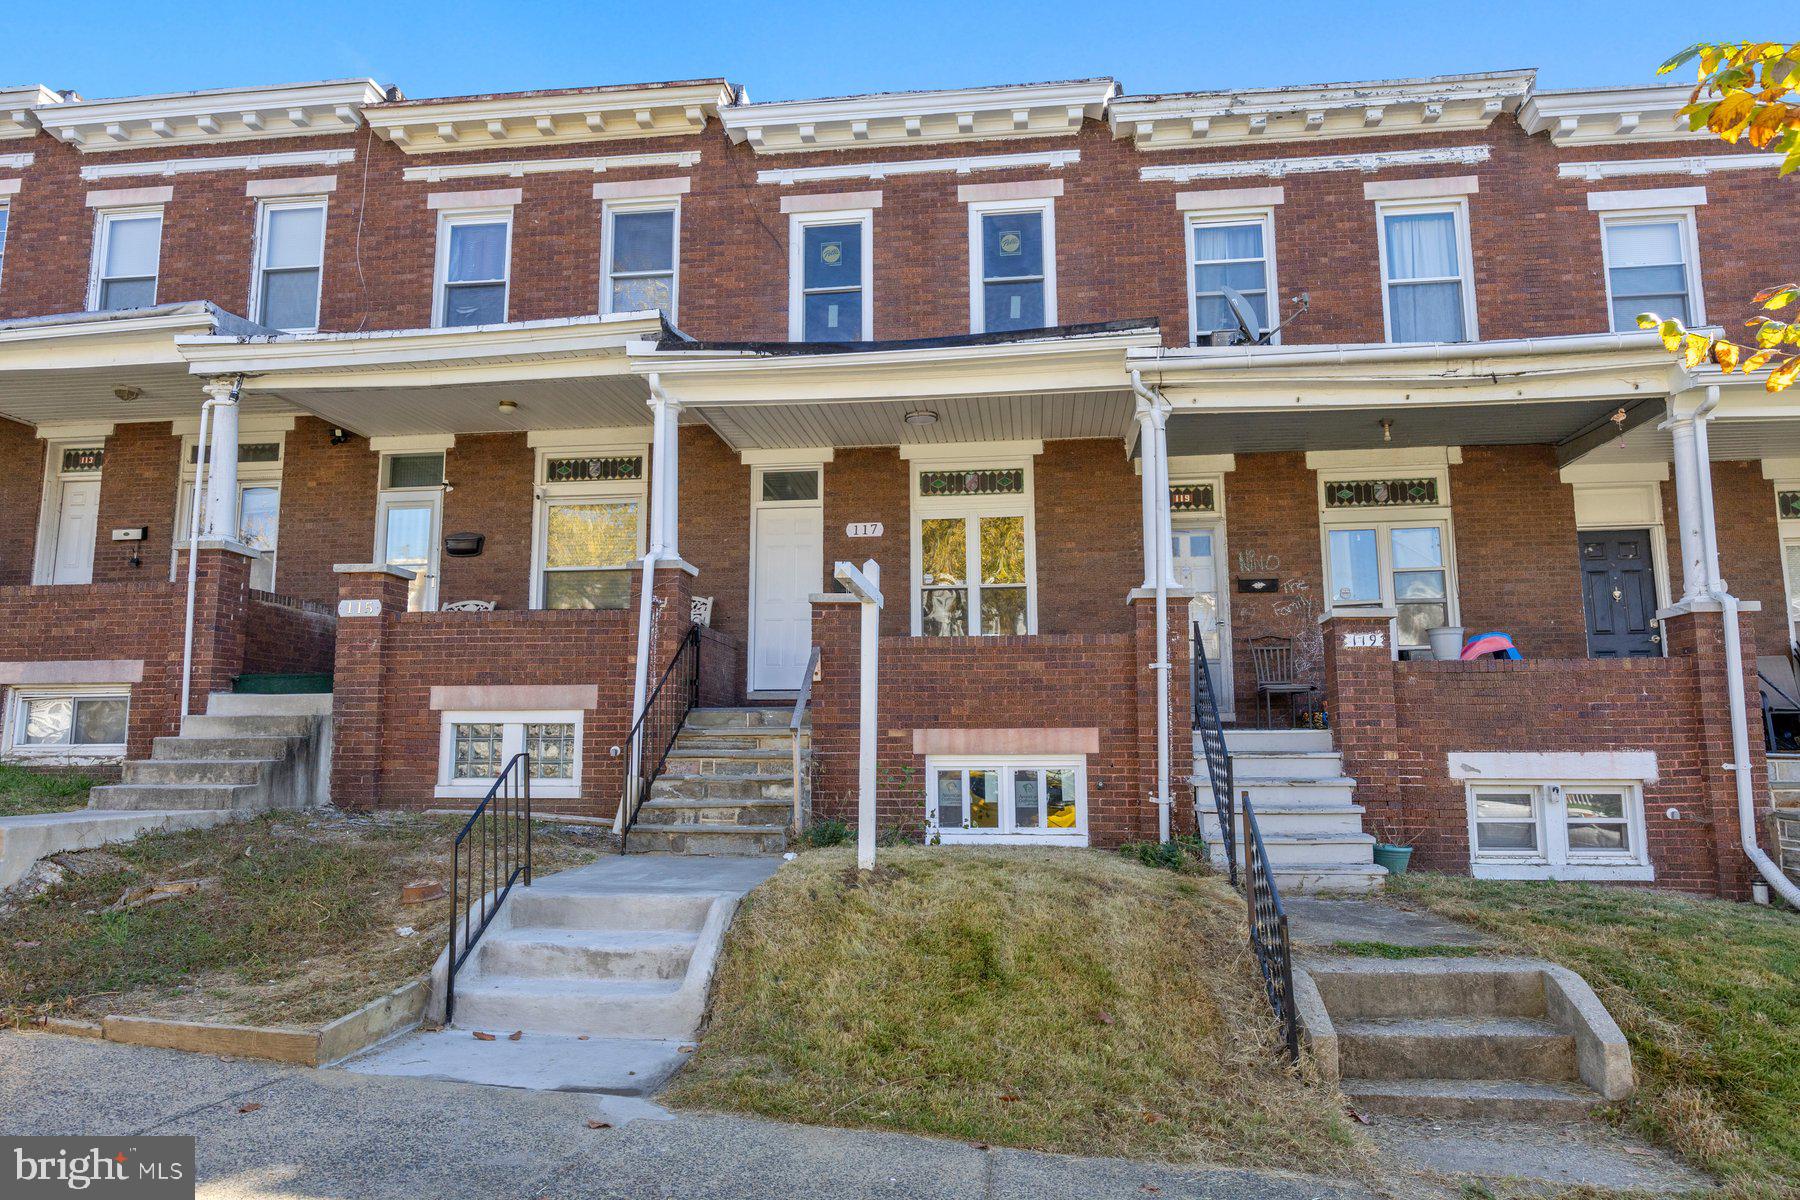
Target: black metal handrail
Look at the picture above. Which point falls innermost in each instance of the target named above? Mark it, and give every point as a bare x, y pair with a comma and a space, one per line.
1269, 930
666, 709
503, 819
795, 723
1218, 756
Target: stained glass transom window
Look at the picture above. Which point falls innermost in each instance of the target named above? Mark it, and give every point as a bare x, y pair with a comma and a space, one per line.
1381, 493
594, 470
84, 458
1788, 504
1005, 482
1191, 497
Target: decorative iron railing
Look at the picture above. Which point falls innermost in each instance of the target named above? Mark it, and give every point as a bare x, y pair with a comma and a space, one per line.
666, 709
795, 724
1269, 930
1218, 757
490, 854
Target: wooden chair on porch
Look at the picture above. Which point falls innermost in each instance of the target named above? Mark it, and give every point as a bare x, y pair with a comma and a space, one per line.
1277, 674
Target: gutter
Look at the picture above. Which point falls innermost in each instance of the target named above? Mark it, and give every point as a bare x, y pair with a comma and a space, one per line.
1231, 357
1156, 460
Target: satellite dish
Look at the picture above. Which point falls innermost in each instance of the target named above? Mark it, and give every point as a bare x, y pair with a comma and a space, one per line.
1249, 330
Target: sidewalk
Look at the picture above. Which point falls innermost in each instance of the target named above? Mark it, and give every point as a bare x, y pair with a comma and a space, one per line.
336, 1135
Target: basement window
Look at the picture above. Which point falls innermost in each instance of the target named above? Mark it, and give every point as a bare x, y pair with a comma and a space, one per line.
1547, 829
1023, 801
475, 747
67, 724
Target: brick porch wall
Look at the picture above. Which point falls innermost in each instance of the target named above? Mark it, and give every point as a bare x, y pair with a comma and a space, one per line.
21, 496
288, 636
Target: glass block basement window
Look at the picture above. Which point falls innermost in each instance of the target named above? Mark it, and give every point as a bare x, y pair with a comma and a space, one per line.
594, 470
1009, 482
1381, 493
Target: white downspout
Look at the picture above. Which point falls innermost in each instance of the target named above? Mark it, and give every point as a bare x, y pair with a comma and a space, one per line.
1154, 458
1743, 776
213, 400
640, 684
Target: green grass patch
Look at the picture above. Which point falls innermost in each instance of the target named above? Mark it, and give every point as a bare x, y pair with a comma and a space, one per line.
25, 792
1065, 1000
1707, 991
1390, 950
295, 921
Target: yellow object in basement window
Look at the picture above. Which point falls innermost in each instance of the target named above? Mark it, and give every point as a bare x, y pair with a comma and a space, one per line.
1062, 818
981, 813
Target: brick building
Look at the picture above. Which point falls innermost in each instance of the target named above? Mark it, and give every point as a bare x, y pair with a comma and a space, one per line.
498, 356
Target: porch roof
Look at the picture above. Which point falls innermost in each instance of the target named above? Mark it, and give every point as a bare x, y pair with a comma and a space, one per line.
566, 373
109, 366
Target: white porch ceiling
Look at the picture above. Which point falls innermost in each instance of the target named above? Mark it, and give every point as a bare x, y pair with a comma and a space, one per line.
1728, 440
168, 392
1048, 417
1360, 429
569, 403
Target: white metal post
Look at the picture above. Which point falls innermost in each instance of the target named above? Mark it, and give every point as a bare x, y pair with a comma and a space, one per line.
865, 585
222, 462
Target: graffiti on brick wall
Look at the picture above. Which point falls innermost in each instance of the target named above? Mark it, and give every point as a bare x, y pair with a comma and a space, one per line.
1298, 615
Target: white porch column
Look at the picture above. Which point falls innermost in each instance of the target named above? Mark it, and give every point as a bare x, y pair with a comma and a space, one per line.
665, 492
222, 461
1165, 555
1690, 506
1147, 471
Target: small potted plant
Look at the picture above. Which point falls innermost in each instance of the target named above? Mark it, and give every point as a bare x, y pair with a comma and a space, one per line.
1390, 852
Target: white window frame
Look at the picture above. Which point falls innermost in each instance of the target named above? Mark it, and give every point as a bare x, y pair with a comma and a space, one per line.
257, 268
448, 219
1787, 533
14, 747
1458, 207
971, 509
546, 494
609, 210
1690, 253
797, 226
1382, 520
1193, 221
987, 208
5, 230
250, 475
512, 740
1007, 765
104, 220
1553, 859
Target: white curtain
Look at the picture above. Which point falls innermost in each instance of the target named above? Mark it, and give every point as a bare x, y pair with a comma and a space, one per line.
1422, 247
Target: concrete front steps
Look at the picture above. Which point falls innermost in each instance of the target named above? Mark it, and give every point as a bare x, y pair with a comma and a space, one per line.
1305, 806
601, 971
248, 753
727, 788
1511, 1039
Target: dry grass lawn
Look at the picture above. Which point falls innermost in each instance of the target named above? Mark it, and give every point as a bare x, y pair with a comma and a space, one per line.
297, 924
1707, 991
24, 792
1065, 1000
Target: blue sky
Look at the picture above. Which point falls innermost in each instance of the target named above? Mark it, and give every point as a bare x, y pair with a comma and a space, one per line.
784, 51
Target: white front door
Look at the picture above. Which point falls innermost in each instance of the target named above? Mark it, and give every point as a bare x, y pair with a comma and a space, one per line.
77, 520
1196, 553
787, 556
408, 529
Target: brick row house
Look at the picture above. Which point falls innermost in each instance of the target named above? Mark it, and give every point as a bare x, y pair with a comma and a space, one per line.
444, 386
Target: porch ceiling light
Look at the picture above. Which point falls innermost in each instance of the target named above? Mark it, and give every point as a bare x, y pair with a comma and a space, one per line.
508, 407
921, 416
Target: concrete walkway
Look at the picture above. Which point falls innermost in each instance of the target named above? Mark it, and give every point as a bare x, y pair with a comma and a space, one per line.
342, 1136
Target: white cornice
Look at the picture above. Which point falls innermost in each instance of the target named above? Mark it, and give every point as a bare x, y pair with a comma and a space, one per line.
1054, 159
206, 118
18, 118
1278, 168
236, 162
918, 118
518, 168
552, 118
1700, 164
1602, 116
1448, 103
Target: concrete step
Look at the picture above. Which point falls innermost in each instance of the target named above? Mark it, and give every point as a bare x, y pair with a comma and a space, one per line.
1285, 766
198, 770
1500, 1099
274, 748
1314, 848
250, 704
543, 907
638, 1008
1366, 989
666, 811
538, 1061
1299, 879
1456, 1048
746, 787
548, 953
683, 760
1248, 741
749, 717
170, 796
1285, 820
1328, 789
748, 739
706, 839
259, 725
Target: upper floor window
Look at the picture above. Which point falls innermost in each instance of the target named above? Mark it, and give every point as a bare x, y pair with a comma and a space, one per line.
641, 254
290, 255
1230, 252
3, 213
829, 277
1428, 294
1650, 267
1012, 265
474, 253
128, 249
